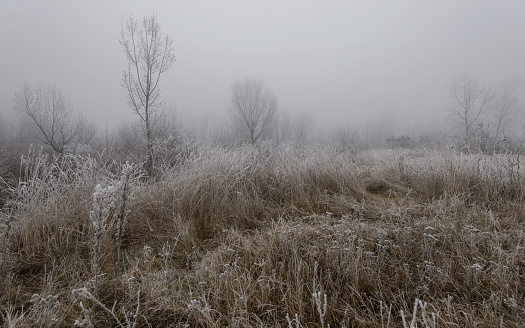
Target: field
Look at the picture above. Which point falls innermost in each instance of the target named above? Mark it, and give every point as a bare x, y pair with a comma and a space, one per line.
266, 237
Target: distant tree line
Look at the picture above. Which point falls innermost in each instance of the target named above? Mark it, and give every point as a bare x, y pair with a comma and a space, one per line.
483, 119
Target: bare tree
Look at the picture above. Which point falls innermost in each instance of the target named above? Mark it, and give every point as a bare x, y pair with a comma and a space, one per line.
149, 55
253, 109
86, 130
165, 123
505, 109
470, 101
303, 126
283, 127
347, 137
3, 132
51, 114
127, 138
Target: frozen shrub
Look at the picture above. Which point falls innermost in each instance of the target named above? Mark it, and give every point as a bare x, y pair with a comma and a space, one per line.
45, 309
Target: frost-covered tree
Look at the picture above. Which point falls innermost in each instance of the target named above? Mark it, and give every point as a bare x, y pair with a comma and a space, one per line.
505, 109
253, 109
470, 101
149, 55
51, 114
303, 126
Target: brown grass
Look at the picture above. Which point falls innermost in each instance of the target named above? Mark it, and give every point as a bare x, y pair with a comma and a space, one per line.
262, 229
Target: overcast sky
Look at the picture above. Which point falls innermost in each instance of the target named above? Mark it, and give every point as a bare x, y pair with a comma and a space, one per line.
344, 61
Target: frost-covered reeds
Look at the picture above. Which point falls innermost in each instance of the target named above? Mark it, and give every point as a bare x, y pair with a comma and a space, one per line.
217, 187
130, 317
242, 186
54, 194
243, 237
482, 177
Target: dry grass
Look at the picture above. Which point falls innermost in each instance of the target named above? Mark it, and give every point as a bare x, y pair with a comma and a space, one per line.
245, 237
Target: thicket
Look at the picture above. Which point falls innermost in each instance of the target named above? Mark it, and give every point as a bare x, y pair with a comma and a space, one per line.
266, 237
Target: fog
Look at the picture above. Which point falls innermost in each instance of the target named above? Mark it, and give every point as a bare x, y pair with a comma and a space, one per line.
343, 61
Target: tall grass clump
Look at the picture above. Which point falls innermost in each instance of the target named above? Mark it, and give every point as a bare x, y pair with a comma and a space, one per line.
218, 187
48, 227
482, 177
53, 201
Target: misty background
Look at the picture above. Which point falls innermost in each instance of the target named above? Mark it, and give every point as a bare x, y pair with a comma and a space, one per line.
380, 63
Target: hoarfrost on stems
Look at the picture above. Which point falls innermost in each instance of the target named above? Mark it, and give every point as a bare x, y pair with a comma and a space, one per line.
45, 309
124, 195
102, 202
86, 322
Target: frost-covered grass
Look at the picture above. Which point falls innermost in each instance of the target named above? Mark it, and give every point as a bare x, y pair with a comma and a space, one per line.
267, 237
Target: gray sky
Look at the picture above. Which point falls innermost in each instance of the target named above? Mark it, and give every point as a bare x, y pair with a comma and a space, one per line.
341, 60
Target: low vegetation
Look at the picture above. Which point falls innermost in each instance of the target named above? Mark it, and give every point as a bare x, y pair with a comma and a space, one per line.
266, 237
